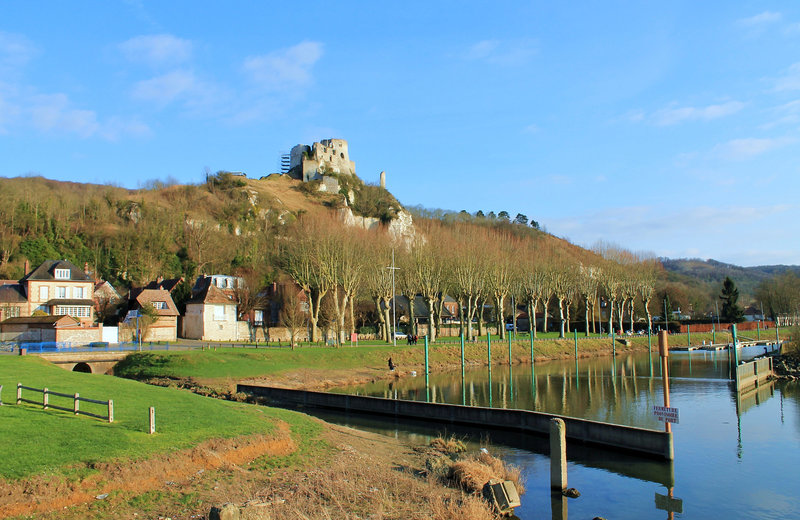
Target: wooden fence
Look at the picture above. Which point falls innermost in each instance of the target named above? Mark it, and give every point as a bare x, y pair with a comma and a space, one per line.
46, 393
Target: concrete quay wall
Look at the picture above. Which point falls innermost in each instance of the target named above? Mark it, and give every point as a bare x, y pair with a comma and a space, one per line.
640, 441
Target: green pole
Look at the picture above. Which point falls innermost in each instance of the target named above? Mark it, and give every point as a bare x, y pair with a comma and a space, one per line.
489, 361
734, 359
777, 337
509, 351
688, 335
577, 383
426, 361
463, 384
713, 334
533, 367
613, 342
758, 329
650, 350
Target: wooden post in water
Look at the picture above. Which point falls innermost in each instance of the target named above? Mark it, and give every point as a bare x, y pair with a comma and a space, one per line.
463, 383
663, 351
558, 455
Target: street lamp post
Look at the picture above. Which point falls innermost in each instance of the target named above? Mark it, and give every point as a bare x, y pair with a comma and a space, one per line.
394, 302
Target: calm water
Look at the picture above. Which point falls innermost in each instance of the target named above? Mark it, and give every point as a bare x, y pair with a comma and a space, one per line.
736, 456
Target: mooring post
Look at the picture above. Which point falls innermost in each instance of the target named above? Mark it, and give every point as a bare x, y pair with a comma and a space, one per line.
688, 335
463, 381
152, 420
734, 357
613, 342
509, 351
558, 455
663, 351
427, 372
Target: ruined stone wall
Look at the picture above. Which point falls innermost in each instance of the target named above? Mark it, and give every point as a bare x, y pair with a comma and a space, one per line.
327, 155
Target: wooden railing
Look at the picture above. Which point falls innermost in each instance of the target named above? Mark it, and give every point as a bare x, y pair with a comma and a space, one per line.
77, 399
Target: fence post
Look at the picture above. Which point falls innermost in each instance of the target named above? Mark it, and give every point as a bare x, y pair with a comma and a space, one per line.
1, 395
19, 393
152, 420
110, 411
77, 400
44, 398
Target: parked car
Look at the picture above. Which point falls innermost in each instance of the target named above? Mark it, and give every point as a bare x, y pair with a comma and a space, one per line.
400, 335
509, 326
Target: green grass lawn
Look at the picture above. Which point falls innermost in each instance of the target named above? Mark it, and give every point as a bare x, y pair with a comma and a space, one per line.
38, 441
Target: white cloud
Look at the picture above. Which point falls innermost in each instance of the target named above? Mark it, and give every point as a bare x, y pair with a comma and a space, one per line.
165, 88
746, 148
531, 129
788, 113
53, 113
674, 115
15, 51
157, 49
765, 18
790, 80
286, 68
506, 53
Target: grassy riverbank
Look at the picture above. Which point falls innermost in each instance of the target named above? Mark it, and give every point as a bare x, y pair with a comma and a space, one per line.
316, 367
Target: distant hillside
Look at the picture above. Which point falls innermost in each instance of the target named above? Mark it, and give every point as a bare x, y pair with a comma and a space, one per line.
711, 273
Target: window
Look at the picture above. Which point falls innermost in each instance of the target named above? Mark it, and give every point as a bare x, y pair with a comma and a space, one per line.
258, 317
62, 274
219, 313
61, 292
159, 305
44, 293
74, 311
77, 293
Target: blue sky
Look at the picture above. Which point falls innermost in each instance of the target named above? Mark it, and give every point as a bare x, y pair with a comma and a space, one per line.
669, 127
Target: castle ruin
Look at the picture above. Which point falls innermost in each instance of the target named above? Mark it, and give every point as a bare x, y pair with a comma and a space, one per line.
310, 163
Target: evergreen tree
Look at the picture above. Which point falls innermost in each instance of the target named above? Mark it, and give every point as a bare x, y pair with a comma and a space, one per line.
731, 312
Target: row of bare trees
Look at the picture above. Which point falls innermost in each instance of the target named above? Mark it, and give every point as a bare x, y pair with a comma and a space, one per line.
479, 267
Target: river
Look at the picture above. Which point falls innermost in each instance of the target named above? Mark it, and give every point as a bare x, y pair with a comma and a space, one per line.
736, 455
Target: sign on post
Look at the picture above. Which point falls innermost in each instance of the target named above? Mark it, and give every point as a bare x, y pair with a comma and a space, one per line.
666, 414
669, 504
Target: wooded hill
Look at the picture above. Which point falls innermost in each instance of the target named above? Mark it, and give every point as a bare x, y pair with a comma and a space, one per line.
254, 228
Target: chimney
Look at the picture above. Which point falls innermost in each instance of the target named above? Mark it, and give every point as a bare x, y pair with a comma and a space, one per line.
86, 268
27, 267
159, 279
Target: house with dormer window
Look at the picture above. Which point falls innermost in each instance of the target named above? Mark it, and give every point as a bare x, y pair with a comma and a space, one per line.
59, 288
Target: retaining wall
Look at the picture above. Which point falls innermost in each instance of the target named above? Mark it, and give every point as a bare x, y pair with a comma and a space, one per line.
637, 440
753, 373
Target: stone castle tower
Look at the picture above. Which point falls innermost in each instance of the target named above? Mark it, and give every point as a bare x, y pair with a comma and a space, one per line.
327, 156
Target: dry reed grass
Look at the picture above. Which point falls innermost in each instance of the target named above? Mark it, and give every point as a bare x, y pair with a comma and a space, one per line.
353, 487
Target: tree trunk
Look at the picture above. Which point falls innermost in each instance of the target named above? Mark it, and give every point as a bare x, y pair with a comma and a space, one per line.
439, 307
620, 315
586, 314
431, 319
381, 320
649, 316
545, 304
314, 302
561, 316
611, 316
352, 317
499, 301
479, 315
631, 316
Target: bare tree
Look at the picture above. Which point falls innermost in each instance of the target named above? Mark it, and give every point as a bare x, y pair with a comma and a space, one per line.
291, 315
